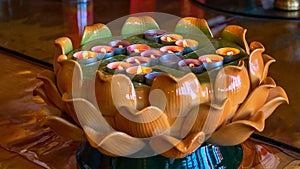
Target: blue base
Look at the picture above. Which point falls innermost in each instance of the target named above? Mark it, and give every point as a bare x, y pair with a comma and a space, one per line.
206, 157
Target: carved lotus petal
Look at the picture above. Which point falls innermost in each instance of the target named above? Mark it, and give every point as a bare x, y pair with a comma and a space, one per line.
103, 88
39, 90
49, 90
69, 77
88, 115
258, 64
172, 147
147, 122
275, 97
192, 25
181, 94
236, 34
267, 62
256, 45
232, 83
255, 100
208, 117
238, 131
144, 123
99, 132
64, 128
63, 47
95, 31
122, 91
136, 25
114, 143
69, 105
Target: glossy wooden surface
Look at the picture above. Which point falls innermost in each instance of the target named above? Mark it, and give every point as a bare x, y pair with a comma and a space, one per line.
31, 34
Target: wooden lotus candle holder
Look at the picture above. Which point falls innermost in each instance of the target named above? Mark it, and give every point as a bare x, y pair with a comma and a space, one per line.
176, 113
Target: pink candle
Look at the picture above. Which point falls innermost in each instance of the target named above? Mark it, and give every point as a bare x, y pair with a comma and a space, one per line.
189, 45
103, 51
153, 55
139, 60
137, 73
85, 57
117, 67
172, 49
119, 46
211, 61
170, 39
154, 34
229, 53
194, 65
136, 49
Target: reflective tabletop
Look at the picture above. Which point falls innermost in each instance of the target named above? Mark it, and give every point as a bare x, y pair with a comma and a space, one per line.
28, 29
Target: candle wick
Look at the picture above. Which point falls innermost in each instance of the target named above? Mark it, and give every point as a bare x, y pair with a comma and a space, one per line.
137, 61
139, 70
208, 60
103, 50
184, 43
85, 54
229, 53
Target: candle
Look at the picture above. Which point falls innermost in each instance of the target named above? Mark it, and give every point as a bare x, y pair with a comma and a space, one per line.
153, 54
151, 76
103, 51
85, 57
139, 60
211, 61
194, 65
229, 54
154, 34
137, 73
189, 45
170, 60
170, 39
117, 67
136, 49
119, 46
172, 49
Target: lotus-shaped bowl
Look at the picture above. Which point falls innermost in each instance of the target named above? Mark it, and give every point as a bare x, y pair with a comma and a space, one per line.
173, 116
